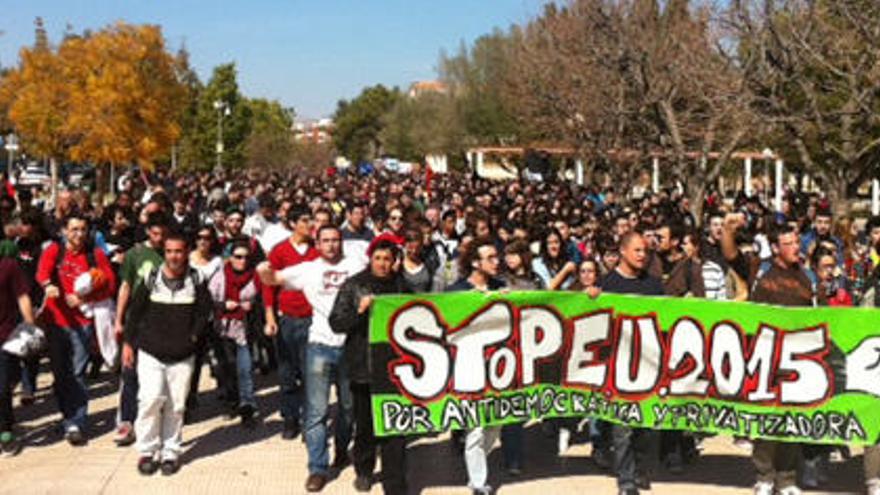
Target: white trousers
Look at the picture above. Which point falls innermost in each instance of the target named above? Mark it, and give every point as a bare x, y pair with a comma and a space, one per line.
162, 392
477, 445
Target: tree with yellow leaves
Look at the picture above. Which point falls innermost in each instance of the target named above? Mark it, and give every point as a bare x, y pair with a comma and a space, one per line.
36, 98
110, 97
126, 100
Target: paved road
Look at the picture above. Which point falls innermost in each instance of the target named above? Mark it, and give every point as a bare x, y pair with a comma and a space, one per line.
221, 457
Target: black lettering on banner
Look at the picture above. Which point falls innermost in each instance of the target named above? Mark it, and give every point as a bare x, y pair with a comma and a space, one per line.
547, 398
470, 411
504, 409
693, 415
771, 424
452, 416
597, 404
748, 418
401, 418
727, 419
518, 406
660, 413
805, 427
854, 428
533, 403
390, 410
559, 402
820, 425
835, 425
791, 426
577, 403
486, 406
628, 413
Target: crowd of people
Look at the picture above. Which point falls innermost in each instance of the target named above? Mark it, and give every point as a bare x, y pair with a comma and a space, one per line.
253, 273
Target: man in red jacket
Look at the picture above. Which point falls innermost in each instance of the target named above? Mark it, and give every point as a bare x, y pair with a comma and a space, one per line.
70, 331
291, 330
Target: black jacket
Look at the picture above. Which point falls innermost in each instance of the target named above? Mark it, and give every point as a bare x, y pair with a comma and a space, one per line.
165, 322
344, 318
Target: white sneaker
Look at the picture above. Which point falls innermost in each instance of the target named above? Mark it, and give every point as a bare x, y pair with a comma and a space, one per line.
744, 444
763, 488
790, 490
810, 474
563, 440
873, 486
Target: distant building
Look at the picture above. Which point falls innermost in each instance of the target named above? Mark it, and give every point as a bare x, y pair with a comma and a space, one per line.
419, 88
313, 130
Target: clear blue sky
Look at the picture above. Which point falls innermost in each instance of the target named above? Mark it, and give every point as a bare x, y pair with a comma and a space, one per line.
307, 54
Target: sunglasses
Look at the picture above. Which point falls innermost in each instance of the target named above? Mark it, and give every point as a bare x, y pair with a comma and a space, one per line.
395, 218
239, 256
204, 238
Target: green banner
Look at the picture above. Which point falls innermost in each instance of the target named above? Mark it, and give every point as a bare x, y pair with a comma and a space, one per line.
460, 360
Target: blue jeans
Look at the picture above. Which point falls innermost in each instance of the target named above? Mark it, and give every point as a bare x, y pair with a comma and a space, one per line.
68, 357
512, 445
128, 391
325, 366
244, 366
290, 347
630, 446
30, 368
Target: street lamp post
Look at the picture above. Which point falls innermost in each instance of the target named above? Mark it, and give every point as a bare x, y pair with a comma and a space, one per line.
11, 148
222, 110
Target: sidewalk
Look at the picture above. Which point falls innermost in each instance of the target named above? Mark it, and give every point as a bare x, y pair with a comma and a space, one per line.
222, 457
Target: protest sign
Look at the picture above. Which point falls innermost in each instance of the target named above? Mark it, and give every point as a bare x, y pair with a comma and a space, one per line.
460, 360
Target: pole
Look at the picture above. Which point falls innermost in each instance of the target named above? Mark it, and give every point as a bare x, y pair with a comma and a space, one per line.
655, 175
579, 171
219, 137
778, 198
875, 197
747, 180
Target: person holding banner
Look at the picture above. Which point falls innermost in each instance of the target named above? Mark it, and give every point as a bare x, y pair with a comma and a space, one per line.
481, 263
784, 283
350, 316
629, 444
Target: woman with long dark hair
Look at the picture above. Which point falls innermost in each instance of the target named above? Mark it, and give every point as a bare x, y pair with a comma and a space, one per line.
553, 266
